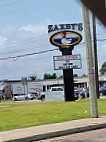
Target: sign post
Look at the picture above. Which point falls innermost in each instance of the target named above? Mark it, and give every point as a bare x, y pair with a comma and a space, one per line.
66, 38
24, 82
68, 80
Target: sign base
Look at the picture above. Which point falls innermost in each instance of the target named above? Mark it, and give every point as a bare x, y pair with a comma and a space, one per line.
68, 85
68, 80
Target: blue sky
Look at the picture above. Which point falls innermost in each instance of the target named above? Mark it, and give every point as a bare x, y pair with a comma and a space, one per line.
23, 30
38, 11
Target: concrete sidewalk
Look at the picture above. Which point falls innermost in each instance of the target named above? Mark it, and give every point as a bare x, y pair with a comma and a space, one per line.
47, 131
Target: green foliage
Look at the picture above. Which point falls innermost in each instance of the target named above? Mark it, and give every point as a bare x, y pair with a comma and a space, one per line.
103, 68
49, 76
75, 75
17, 115
33, 77
60, 76
84, 75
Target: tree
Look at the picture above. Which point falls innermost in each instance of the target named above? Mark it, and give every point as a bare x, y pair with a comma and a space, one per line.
61, 76
103, 68
54, 76
49, 76
84, 75
75, 75
33, 77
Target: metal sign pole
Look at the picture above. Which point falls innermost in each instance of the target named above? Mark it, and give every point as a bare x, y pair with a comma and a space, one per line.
68, 80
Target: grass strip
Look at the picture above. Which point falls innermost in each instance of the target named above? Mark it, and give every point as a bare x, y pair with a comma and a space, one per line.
16, 115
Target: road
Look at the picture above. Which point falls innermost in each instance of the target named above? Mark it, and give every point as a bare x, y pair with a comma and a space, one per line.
90, 136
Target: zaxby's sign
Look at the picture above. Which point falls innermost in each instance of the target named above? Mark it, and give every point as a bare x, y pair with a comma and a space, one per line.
68, 34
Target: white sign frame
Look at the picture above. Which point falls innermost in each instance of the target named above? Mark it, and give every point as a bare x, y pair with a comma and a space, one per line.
67, 62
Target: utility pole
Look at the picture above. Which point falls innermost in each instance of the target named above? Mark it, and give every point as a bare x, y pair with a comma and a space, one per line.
95, 55
90, 63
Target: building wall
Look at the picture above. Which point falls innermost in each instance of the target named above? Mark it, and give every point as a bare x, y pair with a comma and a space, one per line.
78, 81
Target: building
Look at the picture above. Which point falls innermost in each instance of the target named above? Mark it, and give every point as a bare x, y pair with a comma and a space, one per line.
48, 83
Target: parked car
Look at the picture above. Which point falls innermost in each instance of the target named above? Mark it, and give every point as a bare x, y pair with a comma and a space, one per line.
31, 96
87, 92
102, 90
20, 97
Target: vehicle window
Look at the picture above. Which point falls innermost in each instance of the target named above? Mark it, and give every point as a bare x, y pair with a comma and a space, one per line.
21, 94
60, 89
54, 89
57, 89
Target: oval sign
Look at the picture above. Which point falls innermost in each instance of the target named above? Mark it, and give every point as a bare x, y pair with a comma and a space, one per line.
65, 39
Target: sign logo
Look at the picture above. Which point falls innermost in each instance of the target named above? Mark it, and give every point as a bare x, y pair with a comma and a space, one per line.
65, 39
71, 27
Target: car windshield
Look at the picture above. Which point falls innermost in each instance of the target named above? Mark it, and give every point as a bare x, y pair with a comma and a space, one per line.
60, 89
57, 89
21, 94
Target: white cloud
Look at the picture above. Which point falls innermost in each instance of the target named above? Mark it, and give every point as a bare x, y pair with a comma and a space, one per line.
34, 28
34, 38
9, 29
2, 41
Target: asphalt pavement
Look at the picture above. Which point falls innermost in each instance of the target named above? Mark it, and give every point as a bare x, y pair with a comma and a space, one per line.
52, 130
98, 135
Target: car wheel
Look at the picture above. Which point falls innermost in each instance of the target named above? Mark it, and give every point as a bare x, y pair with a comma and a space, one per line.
15, 99
43, 98
101, 94
26, 98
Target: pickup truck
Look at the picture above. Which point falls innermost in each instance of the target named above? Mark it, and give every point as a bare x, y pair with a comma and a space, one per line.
54, 94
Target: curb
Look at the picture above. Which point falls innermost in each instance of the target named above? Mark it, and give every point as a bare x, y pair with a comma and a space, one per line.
59, 133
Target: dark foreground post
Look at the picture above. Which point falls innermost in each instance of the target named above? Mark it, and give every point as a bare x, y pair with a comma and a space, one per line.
68, 79
68, 85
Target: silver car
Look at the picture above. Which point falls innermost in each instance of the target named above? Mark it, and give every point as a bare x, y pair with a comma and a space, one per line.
31, 96
20, 97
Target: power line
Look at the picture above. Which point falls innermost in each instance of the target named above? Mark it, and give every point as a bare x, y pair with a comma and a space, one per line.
30, 41
27, 39
34, 48
21, 9
35, 38
29, 54
92, 41
6, 5
15, 32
